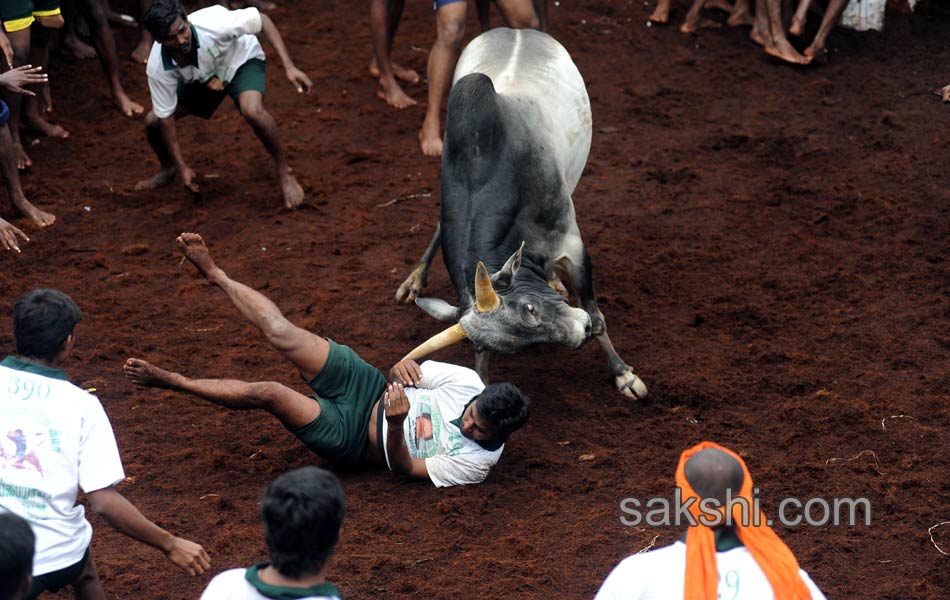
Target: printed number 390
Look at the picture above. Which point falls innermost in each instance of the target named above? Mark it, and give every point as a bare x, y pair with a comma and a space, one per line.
24, 389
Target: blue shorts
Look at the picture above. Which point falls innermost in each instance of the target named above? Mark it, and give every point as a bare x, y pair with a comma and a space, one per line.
4, 113
437, 4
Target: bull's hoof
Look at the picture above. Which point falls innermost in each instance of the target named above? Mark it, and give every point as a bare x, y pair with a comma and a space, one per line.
411, 287
630, 385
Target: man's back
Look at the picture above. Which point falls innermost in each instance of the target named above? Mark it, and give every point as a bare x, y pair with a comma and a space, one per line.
55, 438
659, 575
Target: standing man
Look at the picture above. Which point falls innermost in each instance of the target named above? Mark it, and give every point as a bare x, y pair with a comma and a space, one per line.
450, 18
729, 552
197, 61
302, 511
355, 416
75, 445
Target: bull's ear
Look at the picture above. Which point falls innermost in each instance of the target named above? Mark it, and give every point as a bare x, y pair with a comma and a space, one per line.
506, 274
440, 309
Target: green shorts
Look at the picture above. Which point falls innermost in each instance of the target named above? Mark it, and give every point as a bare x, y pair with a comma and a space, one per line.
202, 101
347, 388
20, 14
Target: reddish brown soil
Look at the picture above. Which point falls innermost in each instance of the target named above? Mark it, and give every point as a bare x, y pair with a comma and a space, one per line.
770, 250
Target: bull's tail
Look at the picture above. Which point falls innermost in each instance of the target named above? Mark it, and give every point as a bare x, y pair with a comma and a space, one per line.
473, 127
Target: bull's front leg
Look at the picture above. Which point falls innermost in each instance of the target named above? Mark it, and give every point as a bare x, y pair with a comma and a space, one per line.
581, 277
412, 286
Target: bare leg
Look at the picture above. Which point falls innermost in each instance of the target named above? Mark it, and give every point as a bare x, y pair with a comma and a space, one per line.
798, 21
740, 15
307, 352
166, 174
292, 409
88, 586
39, 57
105, 45
144, 47
251, 104
761, 33
780, 46
11, 178
383, 28
693, 21
661, 14
817, 49
71, 42
519, 14
450, 29
20, 40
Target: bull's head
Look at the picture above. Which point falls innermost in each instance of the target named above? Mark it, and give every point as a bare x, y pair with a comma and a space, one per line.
507, 314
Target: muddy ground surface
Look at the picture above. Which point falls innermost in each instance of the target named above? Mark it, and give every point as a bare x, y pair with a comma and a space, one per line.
769, 244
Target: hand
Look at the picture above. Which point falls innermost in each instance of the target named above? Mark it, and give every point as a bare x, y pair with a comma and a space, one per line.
406, 372
7, 49
15, 79
188, 176
215, 85
299, 79
396, 403
189, 556
8, 235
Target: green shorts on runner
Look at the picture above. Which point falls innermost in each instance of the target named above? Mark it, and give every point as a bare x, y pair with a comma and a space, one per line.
20, 14
202, 101
347, 388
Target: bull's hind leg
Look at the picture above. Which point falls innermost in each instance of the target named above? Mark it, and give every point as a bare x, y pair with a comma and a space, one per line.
412, 286
582, 281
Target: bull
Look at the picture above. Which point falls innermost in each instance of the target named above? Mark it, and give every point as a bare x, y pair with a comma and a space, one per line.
517, 136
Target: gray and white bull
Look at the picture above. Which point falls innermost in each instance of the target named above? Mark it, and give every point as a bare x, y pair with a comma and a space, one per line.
517, 136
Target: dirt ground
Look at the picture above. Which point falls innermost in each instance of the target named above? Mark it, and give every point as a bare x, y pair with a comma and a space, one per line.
770, 249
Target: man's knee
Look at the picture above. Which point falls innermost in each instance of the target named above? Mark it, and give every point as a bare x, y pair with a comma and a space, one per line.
451, 30
151, 121
252, 109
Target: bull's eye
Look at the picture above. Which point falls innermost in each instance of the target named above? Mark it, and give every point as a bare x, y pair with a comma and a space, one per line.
530, 308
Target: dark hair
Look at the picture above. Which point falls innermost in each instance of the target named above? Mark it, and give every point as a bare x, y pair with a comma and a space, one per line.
160, 16
16, 553
42, 320
505, 407
303, 511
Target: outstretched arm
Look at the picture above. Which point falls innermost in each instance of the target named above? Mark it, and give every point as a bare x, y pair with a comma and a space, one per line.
127, 520
170, 135
295, 75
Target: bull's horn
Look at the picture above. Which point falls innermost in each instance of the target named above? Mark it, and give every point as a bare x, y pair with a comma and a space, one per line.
443, 339
486, 300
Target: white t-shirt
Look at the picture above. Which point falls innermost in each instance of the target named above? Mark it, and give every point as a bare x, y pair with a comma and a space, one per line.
659, 575
243, 584
54, 439
224, 40
441, 396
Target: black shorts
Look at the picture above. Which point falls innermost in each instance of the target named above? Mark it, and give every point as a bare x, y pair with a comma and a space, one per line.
57, 580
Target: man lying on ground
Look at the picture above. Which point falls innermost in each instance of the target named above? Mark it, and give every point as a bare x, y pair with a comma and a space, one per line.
63, 443
197, 60
435, 421
716, 557
302, 511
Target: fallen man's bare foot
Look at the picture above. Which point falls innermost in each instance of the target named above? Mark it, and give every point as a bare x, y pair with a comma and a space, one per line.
293, 193
145, 374
393, 95
161, 179
195, 250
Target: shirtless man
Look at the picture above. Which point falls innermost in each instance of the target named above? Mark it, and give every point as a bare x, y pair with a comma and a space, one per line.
384, 16
356, 416
450, 16
196, 61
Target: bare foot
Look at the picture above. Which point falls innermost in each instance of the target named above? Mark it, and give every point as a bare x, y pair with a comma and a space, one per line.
797, 28
161, 179
144, 374
818, 54
722, 5
697, 24
390, 93
23, 161
401, 72
781, 48
661, 15
760, 35
78, 48
430, 139
40, 218
45, 100
141, 52
293, 193
48, 129
741, 18
196, 251
126, 105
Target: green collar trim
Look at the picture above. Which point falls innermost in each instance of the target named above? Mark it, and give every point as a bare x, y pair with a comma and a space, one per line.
726, 539
490, 445
279, 592
32, 367
167, 61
